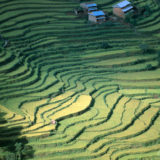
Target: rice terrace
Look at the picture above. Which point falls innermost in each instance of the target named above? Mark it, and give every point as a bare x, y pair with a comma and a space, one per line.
74, 89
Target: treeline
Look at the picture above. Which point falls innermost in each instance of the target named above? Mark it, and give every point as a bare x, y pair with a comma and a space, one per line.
13, 147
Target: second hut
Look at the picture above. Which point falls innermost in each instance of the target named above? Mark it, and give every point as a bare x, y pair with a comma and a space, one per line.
122, 8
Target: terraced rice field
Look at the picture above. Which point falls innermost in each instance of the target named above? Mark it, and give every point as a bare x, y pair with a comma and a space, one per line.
106, 101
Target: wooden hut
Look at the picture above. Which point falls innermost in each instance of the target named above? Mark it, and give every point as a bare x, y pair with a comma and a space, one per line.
89, 6
122, 8
97, 16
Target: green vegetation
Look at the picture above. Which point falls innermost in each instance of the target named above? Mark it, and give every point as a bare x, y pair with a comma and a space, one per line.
146, 49
105, 45
1, 43
100, 83
14, 148
138, 13
158, 57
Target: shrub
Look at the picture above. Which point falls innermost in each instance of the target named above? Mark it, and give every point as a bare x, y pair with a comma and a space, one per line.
128, 16
79, 9
158, 58
144, 48
10, 156
147, 9
149, 67
1, 42
133, 21
158, 52
132, 17
105, 45
144, 11
138, 61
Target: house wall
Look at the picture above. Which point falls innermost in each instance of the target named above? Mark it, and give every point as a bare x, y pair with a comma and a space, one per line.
101, 20
118, 12
83, 5
92, 18
95, 20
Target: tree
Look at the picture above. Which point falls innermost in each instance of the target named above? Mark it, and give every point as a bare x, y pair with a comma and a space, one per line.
147, 10
105, 45
128, 17
158, 57
146, 13
144, 48
18, 149
150, 67
1, 42
15, 148
27, 152
132, 21
10, 156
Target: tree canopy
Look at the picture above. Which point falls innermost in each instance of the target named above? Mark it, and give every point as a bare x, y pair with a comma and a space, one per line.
13, 147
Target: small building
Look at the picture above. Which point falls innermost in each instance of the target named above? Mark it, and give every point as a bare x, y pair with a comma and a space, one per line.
97, 16
89, 6
122, 8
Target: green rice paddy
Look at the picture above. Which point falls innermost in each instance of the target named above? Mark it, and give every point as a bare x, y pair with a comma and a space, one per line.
106, 101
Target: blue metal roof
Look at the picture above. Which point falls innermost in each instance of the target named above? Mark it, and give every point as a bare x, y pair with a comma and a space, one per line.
91, 5
122, 4
92, 9
127, 9
97, 13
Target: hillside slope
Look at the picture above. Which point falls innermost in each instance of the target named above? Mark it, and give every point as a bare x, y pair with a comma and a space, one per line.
105, 101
